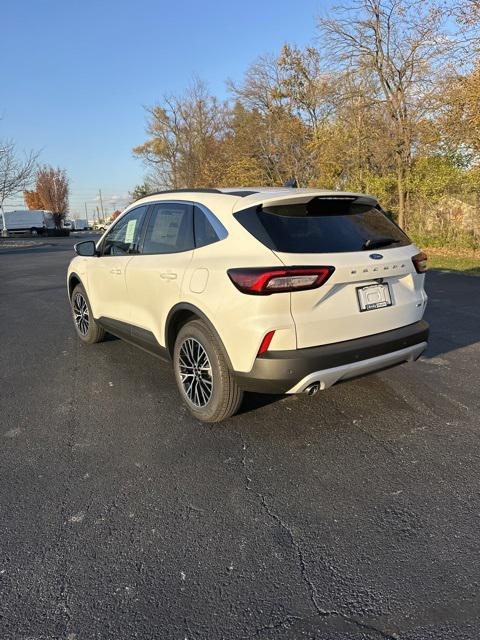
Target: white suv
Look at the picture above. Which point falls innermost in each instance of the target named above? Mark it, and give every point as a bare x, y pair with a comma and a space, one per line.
267, 290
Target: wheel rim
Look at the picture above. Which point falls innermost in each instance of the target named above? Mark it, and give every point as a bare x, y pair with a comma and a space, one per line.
195, 372
80, 314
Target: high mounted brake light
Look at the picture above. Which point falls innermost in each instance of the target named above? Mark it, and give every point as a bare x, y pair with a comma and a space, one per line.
420, 262
263, 282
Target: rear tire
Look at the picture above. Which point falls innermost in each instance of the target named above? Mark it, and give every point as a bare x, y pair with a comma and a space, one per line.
204, 378
87, 329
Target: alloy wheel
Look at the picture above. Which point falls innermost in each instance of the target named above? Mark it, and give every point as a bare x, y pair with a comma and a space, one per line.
80, 314
195, 372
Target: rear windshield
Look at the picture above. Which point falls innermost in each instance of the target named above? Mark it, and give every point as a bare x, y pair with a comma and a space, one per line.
322, 226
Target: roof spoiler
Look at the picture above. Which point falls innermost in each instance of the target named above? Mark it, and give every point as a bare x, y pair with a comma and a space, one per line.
300, 197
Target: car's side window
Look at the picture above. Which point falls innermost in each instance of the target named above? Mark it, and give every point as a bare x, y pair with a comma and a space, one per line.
123, 238
169, 229
204, 232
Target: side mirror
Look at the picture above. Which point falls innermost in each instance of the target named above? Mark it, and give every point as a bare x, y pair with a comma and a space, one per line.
86, 248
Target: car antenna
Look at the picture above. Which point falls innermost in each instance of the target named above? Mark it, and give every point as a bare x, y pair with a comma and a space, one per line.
292, 183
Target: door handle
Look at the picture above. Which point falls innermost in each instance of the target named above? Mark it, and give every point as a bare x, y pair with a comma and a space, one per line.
116, 272
168, 275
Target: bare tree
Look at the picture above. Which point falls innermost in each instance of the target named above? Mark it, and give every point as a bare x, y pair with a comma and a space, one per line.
52, 187
287, 97
466, 14
16, 173
183, 133
259, 89
309, 90
402, 45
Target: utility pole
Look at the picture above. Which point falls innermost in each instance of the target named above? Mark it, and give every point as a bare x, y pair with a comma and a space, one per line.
101, 203
86, 212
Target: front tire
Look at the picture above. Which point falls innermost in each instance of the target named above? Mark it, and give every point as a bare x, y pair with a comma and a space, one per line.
87, 329
203, 376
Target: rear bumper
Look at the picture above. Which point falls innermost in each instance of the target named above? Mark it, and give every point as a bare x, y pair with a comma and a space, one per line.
293, 371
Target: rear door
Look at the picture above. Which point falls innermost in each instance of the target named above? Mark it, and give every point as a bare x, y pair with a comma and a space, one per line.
374, 287
154, 277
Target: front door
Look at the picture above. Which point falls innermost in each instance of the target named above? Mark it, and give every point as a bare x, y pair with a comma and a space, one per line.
106, 274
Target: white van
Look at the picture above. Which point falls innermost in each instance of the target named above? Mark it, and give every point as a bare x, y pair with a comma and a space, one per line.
35, 222
79, 224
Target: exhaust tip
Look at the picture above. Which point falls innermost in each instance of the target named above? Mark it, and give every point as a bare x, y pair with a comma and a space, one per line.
312, 389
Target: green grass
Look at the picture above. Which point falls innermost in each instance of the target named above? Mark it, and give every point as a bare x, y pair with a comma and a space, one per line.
462, 262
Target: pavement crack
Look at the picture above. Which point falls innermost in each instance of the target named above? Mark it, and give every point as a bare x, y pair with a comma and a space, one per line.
324, 613
312, 590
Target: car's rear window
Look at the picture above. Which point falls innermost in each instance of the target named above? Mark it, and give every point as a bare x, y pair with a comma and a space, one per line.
323, 225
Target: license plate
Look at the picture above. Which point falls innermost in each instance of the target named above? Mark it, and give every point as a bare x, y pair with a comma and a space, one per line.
374, 296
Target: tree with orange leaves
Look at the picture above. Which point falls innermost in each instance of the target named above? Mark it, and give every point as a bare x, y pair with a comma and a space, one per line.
33, 200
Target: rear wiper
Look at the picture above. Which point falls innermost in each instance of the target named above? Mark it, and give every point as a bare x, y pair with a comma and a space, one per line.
375, 243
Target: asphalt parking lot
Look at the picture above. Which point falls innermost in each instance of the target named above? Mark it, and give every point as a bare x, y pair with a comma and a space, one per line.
353, 514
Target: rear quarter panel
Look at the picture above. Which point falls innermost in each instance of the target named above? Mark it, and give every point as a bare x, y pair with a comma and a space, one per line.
241, 320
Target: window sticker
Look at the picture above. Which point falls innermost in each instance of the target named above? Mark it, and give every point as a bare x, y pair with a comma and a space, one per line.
130, 232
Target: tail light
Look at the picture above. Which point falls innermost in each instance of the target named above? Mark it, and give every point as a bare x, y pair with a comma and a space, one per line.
263, 282
420, 262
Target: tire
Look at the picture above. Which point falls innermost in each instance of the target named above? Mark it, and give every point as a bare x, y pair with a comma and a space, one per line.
87, 329
212, 395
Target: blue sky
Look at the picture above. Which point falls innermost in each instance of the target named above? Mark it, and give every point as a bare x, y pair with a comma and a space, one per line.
76, 74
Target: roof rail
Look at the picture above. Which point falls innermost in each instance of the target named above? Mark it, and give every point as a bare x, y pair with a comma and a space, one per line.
193, 190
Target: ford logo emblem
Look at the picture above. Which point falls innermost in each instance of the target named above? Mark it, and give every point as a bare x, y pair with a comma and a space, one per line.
375, 256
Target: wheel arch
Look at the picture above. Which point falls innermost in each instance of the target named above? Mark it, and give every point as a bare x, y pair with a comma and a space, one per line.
178, 316
73, 280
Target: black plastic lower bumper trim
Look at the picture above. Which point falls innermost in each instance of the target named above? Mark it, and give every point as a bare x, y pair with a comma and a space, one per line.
278, 371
